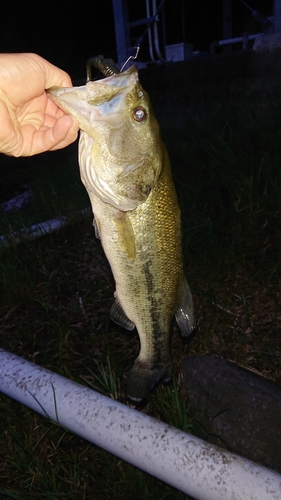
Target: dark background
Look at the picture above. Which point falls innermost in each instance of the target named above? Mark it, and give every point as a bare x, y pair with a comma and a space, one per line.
68, 33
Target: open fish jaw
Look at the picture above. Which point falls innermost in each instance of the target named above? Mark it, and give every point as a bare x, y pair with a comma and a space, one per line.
120, 160
95, 101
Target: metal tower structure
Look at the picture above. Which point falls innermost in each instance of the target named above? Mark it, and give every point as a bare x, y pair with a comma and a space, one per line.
155, 13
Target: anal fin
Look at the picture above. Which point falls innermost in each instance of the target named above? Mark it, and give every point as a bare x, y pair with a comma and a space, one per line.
119, 317
185, 313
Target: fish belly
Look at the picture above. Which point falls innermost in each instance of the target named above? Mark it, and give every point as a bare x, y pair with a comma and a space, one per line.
143, 247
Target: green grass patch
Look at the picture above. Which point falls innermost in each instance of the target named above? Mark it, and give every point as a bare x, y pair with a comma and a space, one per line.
56, 292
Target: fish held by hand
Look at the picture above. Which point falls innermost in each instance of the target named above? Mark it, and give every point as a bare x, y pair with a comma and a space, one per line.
126, 171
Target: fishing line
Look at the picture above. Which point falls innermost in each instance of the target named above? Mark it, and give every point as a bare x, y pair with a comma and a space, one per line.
107, 66
140, 39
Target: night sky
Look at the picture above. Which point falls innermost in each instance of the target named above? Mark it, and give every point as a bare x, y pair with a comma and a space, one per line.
68, 34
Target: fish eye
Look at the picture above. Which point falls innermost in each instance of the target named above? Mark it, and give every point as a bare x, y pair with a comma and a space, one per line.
139, 114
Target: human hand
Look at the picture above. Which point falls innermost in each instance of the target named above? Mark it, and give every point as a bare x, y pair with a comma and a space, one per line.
30, 123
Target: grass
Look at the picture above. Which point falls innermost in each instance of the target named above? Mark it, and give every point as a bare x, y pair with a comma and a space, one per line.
54, 182
56, 293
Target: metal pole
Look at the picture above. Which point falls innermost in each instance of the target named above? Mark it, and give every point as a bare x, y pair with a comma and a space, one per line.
277, 16
122, 31
191, 465
240, 39
227, 24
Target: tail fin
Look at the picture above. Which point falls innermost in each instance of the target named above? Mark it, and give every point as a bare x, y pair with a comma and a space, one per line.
143, 377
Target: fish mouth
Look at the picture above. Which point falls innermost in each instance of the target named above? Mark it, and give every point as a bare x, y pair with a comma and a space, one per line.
116, 149
100, 100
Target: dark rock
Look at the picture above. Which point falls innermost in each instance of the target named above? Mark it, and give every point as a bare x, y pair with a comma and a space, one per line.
236, 409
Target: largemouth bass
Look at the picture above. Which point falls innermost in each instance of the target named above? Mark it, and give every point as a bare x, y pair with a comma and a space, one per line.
126, 171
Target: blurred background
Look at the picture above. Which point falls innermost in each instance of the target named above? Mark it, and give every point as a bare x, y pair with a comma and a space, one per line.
68, 33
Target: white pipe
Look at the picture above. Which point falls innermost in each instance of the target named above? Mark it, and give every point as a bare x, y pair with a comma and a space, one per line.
34, 231
17, 202
38, 230
230, 41
191, 465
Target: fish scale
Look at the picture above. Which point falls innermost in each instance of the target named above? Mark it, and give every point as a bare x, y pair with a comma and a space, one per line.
126, 170
148, 287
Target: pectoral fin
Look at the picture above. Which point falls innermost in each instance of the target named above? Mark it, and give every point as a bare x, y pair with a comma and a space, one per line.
126, 236
185, 313
119, 317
